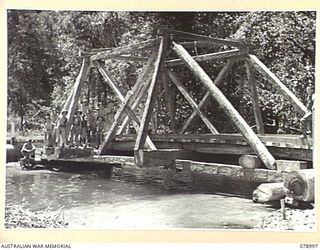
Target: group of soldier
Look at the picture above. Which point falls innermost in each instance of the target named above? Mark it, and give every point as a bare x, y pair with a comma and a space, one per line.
85, 128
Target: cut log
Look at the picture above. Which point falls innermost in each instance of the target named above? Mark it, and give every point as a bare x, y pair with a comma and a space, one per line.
250, 161
252, 139
300, 184
267, 192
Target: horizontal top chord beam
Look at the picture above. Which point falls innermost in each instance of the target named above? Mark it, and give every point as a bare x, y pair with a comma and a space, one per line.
127, 49
191, 36
207, 57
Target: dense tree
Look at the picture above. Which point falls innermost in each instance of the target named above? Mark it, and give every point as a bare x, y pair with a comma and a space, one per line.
43, 59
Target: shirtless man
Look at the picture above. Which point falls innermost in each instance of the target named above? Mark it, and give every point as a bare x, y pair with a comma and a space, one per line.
28, 151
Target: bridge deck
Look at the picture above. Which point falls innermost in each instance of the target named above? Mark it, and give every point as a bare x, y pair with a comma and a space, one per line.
280, 146
276, 140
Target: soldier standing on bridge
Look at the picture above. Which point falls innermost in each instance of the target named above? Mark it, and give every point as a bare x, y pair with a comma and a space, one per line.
62, 129
48, 130
306, 120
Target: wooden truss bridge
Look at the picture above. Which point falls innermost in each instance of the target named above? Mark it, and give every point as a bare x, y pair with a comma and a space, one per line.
158, 69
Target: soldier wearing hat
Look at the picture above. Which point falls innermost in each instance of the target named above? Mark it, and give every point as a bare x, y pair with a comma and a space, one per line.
48, 129
62, 129
100, 126
76, 128
54, 119
91, 126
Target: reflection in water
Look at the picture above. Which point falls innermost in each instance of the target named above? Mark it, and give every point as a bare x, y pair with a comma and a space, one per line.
93, 200
43, 188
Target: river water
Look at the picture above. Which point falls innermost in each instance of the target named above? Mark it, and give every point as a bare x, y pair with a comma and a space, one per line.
96, 201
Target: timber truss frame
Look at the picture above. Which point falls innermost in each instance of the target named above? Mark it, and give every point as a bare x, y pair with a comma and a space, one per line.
157, 70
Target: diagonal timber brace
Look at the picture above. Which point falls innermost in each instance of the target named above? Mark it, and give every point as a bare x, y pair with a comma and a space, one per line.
207, 96
263, 69
107, 76
192, 103
140, 88
71, 104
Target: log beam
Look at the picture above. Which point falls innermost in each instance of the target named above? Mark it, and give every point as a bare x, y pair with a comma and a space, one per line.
207, 57
197, 44
252, 139
191, 36
206, 97
142, 133
192, 103
254, 96
77, 88
263, 69
168, 91
116, 57
127, 49
169, 101
68, 101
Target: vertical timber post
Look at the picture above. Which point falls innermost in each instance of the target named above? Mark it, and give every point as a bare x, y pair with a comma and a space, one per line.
143, 130
252, 139
167, 90
254, 96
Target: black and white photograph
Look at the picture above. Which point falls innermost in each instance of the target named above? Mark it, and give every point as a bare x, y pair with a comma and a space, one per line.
160, 120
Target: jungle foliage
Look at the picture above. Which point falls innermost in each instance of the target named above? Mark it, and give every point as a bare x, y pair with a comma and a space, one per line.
43, 59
